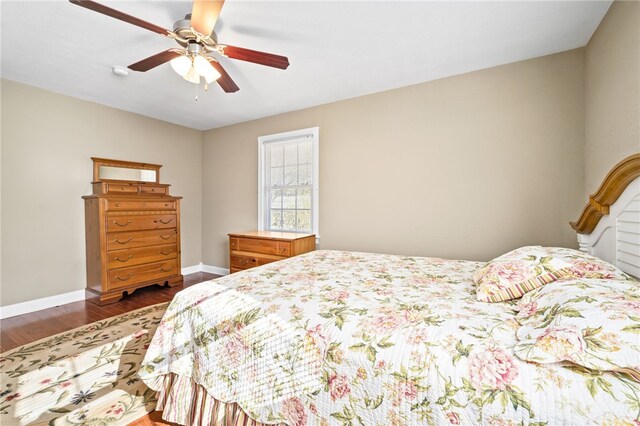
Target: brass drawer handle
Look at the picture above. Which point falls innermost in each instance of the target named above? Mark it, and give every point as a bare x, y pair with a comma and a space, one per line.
167, 253
164, 270
115, 222
122, 242
117, 204
163, 222
124, 260
244, 262
166, 237
124, 279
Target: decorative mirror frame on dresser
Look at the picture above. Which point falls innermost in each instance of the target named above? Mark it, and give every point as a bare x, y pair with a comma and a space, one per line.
132, 231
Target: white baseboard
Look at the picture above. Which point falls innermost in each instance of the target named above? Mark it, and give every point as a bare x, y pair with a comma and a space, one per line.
39, 304
205, 268
215, 270
75, 296
192, 269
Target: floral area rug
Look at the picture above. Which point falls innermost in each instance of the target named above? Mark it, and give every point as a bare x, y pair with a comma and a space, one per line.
86, 376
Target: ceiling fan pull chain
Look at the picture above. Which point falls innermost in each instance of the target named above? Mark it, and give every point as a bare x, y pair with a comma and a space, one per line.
197, 92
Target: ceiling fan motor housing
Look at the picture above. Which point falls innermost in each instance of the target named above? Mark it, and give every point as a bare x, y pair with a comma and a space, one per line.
183, 29
194, 47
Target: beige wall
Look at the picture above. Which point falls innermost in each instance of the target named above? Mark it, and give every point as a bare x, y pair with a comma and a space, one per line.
47, 140
612, 92
464, 167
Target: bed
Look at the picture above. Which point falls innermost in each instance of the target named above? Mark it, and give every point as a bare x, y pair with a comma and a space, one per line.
345, 338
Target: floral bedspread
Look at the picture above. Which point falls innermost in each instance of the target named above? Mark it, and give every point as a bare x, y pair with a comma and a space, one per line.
347, 338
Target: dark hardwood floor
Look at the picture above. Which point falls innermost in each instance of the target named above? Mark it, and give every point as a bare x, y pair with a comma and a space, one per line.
22, 329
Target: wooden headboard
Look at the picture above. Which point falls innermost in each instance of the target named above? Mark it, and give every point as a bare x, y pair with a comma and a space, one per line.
609, 226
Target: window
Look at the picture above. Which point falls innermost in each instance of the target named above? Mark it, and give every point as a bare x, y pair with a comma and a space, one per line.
288, 181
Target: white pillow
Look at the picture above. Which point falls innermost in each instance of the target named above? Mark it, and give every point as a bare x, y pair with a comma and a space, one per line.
517, 272
589, 322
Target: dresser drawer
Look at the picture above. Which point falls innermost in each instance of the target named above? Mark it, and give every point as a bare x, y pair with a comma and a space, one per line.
138, 222
256, 245
115, 205
137, 256
256, 248
121, 240
122, 188
239, 261
124, 277
153, 190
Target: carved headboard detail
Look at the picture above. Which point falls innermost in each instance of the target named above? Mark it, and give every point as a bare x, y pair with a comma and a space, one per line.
611, 188
609, 226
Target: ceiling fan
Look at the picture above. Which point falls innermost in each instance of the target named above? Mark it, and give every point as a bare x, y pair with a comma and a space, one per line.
197, 39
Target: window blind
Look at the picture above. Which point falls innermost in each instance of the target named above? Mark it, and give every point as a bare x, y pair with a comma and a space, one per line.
289, 185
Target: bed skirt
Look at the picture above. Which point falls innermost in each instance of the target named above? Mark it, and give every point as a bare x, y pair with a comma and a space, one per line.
185, 402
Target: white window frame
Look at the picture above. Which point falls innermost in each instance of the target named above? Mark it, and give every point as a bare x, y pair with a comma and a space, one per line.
314, 133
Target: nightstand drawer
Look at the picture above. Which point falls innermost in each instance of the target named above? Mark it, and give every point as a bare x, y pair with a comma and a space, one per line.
239, 261
256, 248
255, 245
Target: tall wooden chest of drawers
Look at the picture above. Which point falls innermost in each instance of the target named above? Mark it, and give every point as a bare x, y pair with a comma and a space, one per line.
257, 248
132, 231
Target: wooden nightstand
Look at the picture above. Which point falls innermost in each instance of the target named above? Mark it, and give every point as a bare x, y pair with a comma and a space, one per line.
256, 248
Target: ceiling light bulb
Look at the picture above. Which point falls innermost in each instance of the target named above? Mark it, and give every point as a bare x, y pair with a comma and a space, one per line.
192, 76
211, 75
201, 64
181, 65
205, 69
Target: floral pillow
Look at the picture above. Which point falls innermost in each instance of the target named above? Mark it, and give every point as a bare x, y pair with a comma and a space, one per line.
589, 322
517, 272
584, 265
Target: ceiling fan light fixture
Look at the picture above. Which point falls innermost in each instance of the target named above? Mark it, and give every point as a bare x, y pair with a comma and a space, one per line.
192, 76
205, 69
181, 65
200, 64
211, 76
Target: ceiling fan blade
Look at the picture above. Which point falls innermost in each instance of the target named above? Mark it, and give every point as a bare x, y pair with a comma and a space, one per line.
204, 15
254, 56
97, 7
225, 81
155, 60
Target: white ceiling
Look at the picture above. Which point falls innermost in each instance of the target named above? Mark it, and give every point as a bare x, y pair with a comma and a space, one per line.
337, 50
